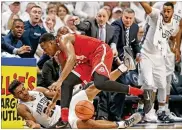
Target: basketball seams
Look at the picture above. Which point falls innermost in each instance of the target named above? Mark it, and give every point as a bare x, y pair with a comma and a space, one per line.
86, 107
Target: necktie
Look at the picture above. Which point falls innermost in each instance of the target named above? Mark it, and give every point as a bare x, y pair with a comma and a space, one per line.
127, 36
101, 36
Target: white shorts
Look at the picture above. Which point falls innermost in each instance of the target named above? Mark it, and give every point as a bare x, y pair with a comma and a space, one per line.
152, 71
75, 99
170, 63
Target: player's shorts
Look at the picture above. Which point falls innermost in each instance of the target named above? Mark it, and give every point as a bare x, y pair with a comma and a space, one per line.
101, 60
83, 71
170, 63
75, 99
153, 71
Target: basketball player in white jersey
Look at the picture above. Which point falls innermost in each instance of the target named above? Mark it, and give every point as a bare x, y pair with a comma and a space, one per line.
32, 105
153, 51
173, 50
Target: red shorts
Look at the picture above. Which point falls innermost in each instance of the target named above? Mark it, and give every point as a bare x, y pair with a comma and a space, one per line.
84, 72
101, 60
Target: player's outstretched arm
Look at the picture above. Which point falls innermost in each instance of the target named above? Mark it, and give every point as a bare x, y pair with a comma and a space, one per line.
68, 49
146, 7
24, 112
48, 93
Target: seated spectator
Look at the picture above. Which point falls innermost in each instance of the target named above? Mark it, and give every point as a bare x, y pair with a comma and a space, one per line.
12, 13
116, 14
49, 24
33, 31
68, 22
62, 12
52, 9
26, 15
12, 42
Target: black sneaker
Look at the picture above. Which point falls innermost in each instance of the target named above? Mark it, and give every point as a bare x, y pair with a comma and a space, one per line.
163, 117
133, 119
59, 125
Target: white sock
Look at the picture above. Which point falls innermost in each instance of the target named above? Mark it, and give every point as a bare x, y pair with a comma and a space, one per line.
121, 124
166, 106
161, 108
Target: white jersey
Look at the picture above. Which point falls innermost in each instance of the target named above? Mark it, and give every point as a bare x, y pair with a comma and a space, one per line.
170, 59
38, 108
72, 115
148, 46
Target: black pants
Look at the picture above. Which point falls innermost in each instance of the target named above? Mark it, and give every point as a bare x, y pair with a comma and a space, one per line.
67, 89
101, 82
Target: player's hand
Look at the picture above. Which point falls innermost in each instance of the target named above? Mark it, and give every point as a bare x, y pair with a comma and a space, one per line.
31, 124
56, 86
50, 108
177, 55
138, 57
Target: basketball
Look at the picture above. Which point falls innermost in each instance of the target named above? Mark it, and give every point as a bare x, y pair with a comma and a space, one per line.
84, 110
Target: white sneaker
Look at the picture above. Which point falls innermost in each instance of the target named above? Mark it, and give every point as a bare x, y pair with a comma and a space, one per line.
129, 59
133, 119
151, 116
173, 116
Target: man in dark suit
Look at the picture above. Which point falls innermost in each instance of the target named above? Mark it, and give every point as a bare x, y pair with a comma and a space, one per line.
125, 27
125, 34
97, 27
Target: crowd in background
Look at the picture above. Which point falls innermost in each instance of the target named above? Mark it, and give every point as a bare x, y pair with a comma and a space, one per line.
23, 25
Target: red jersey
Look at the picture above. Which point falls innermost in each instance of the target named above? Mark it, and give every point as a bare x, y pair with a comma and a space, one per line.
85, 45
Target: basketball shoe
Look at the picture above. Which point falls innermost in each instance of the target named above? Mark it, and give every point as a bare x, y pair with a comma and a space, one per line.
133, 119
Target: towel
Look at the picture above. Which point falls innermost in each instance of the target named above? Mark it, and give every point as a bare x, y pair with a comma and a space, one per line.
163, 32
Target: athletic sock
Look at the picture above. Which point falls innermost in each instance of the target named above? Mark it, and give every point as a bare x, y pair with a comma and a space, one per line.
64, 114
166, 106
161, 108
135, 91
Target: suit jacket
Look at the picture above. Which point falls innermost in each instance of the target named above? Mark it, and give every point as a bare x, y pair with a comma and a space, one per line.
119, 36
50, 73
90, 27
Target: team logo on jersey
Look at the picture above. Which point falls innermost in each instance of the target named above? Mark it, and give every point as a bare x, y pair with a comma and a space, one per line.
102, 69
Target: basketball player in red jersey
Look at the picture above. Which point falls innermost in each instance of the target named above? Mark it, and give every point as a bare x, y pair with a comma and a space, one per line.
97, 64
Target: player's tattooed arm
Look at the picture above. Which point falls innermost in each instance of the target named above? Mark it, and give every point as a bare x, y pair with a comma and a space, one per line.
25, 113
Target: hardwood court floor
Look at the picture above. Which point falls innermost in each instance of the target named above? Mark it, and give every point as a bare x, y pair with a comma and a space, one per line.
157, 126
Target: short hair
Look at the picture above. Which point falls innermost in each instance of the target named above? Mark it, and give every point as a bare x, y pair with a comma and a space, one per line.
46, 37
14, 84
36, 6
169, 4
63, 6
50, 6
129, 10
17, 20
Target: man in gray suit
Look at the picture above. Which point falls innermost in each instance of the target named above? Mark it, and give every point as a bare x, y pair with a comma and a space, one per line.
97, 28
